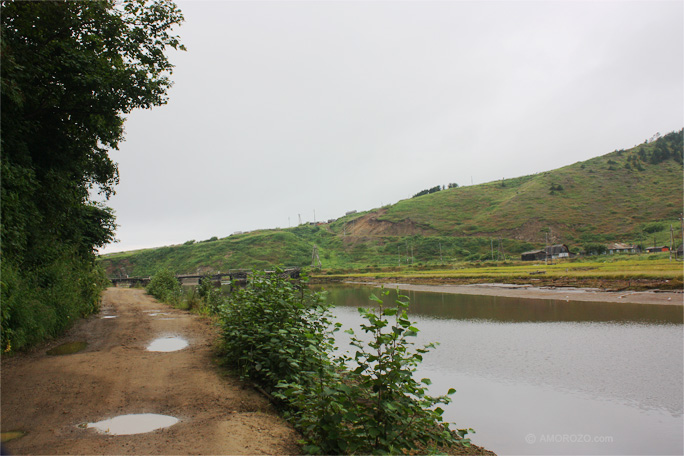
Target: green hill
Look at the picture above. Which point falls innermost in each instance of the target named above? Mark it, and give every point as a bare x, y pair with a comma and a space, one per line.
629, 196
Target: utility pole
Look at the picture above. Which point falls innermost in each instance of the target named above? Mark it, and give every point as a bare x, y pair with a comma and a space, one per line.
491, 242
546, 250
441, 260
300, 218
398, 256
314, 215
671, 240
681, 220
315, 260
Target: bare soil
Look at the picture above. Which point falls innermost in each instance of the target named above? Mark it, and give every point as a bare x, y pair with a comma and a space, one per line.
48, 397
659, 297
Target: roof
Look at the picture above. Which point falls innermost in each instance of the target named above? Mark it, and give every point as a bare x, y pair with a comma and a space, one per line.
618, 246
558, 248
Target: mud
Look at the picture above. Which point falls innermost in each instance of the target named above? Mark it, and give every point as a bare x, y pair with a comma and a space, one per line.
49, 398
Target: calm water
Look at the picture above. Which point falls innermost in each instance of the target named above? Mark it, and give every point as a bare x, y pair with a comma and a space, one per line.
549, 377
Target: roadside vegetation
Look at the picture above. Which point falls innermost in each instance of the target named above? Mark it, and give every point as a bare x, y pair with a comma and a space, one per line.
71, 71
279, 335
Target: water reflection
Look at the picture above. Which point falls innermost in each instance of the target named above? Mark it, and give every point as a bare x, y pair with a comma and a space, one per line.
167, 344
133, 424
524, 367
496, 308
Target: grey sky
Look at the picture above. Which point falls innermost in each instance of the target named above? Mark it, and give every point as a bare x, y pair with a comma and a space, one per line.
286, 107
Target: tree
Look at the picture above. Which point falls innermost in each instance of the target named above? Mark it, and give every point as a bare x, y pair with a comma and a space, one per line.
70, 72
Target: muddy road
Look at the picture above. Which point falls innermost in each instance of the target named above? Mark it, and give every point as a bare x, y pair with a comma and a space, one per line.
52, 398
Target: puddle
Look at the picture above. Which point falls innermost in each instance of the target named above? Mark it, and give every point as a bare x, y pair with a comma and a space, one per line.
156, 314
107, 316
10, 435
167, 344
67, 349
133, 424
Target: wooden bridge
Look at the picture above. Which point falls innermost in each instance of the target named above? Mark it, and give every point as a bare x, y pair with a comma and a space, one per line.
235, 276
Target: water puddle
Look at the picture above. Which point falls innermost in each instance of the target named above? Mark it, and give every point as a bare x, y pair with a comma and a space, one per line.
133, 424
10, 435
107, 316
167, 344
67, 349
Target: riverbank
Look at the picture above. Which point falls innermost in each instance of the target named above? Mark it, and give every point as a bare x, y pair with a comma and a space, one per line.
533, 292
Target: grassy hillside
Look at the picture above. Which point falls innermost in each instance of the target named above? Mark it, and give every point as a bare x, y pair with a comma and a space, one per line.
627, 196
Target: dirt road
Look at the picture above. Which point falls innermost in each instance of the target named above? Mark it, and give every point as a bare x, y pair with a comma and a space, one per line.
48, 397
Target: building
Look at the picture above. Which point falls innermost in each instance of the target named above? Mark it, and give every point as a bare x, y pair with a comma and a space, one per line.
552, 252
656, 249
533, 255
558, 251
621, 248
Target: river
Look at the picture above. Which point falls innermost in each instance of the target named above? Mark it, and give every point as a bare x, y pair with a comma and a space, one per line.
547, 376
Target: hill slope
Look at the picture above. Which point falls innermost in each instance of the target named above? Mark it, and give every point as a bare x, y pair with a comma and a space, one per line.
624, 196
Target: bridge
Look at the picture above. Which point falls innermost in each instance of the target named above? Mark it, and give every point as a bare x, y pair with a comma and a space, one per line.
235, 276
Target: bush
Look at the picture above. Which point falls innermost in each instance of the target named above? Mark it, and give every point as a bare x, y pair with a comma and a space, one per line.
44, 302
209, 295
165, 287
280, 336
378, 407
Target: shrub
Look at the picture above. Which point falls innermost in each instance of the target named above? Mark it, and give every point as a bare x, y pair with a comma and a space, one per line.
45, 302
274, 330
378, 407
209, 294
165, 287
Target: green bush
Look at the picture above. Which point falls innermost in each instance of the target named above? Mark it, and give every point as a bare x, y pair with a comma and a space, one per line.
209, 295
280, 336
378, 407
274, 330
165, 287
44, 302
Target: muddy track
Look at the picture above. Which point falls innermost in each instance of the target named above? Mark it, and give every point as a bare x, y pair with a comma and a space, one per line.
48, 397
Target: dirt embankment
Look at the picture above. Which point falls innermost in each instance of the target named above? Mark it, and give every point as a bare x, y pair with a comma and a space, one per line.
371, 225
601, 284
47, 397
527, 291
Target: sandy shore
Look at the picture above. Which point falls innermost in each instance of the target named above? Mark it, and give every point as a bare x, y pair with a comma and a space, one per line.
531, 292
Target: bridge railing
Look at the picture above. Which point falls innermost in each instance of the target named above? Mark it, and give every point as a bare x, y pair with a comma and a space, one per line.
235, 275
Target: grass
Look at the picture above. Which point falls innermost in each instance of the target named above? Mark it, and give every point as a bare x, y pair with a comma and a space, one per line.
626, 267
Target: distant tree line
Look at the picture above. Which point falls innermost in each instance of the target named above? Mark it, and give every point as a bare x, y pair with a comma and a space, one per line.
664, 148
435, 189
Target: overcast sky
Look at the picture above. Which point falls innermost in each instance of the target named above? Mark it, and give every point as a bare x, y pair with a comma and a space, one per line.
284, 108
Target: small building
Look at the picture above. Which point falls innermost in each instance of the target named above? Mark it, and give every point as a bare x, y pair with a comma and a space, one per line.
621, 248
552, 252
558, 251
533, 255
657, 249
350, 212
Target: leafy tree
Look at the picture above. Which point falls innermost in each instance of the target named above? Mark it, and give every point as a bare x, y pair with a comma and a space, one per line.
70, 72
